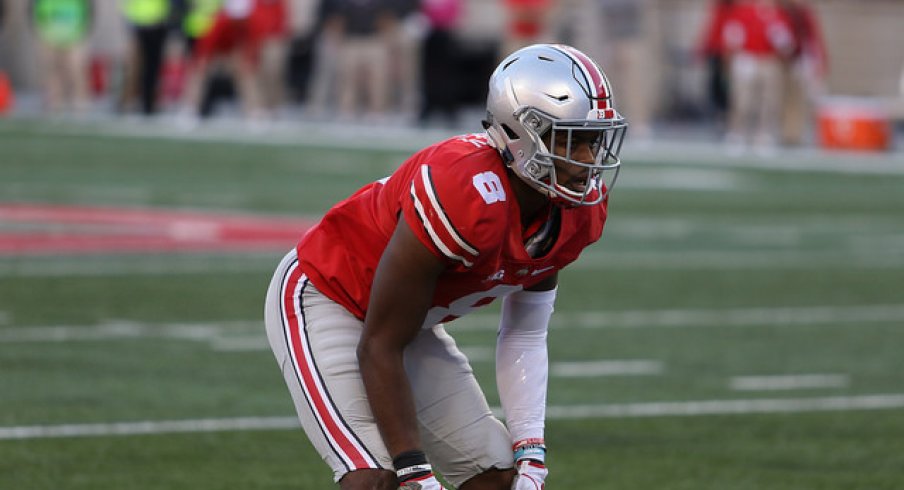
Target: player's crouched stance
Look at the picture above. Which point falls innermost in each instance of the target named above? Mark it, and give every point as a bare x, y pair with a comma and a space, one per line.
355, 314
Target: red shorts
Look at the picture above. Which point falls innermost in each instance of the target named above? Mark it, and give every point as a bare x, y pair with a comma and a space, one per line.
228, 35
269, 19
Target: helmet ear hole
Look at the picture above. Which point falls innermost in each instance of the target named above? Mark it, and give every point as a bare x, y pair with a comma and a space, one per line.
512, 135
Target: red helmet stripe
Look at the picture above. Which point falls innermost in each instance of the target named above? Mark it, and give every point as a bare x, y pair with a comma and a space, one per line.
599, 85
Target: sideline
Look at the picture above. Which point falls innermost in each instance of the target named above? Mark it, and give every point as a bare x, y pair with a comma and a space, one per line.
575, 412
687, 149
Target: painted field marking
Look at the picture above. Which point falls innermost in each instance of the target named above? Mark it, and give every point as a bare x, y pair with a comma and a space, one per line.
147, 427
123, 329
101, 265
888, 401
577, 369
51, 229
741, 259
593, 369
245, 343
226, 330
735, 317
729, 407
231, 261
762, 316
789, 382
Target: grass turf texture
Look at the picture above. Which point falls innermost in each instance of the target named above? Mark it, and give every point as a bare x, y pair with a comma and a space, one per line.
746, 237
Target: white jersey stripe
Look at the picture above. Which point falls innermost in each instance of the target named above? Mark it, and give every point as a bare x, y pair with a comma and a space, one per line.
428, 187
419, 207
343, 442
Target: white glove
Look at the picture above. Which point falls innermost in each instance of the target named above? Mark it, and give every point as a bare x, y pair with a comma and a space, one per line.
414, 473
427, 482
530, 457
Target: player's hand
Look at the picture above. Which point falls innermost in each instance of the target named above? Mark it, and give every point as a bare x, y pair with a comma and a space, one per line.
530, 457
426, 482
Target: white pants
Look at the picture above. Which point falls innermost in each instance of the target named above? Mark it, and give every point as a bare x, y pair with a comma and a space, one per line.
364, 76
314, 340
756, 97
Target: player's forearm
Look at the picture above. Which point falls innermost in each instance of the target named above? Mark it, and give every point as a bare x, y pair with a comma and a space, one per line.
522, 361
390, 397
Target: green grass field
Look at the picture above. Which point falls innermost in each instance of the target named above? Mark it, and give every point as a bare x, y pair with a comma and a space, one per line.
739, 326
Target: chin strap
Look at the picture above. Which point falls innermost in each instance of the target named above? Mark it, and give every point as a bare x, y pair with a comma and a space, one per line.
496, 141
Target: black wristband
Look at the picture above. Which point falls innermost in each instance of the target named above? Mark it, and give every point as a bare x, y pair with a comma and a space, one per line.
410, 465
409, 458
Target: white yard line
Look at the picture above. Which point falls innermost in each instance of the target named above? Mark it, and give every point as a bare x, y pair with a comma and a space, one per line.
593, 260
789, 382
765, 316
246, 343
740, 317
888, 401
608, 367
127, 264
605, 259
234, 335
123, 329
726, 407
147, 427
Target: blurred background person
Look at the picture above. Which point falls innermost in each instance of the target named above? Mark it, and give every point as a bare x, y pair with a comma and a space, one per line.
327, 38
197, 18
627, 55
405, 55
759, 39
270, 22
366, 33
150, 22
62, 29
527, 22
6, 90
805, 71
438, 71
711, 49
232, 42
197, 21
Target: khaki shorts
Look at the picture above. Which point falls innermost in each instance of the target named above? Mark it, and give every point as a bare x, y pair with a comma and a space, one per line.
314, 340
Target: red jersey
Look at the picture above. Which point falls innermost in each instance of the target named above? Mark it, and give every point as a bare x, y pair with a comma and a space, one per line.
527, 17
270, 19
712, 43
758, 29
457, 199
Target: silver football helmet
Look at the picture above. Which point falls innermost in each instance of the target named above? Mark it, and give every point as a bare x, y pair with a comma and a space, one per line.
544, 102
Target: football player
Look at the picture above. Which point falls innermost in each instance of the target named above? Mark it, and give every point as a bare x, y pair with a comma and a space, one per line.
356, 314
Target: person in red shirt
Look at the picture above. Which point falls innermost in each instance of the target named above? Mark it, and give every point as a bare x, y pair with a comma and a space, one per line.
234, 38
712, 50
805, 71
528, 22
356, 313
758, 37
270, 26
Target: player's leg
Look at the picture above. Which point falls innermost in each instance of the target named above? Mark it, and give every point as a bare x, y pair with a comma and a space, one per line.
314, 341
464, 442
